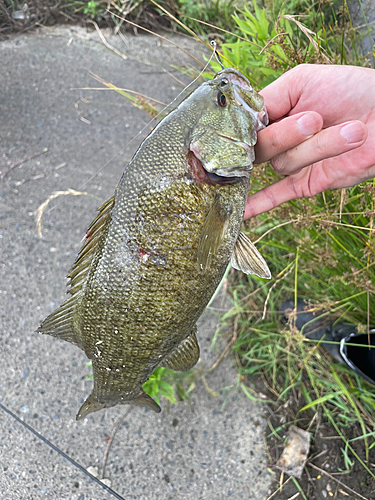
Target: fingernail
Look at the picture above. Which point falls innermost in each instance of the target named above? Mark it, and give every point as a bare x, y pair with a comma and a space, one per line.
308, 125
352, 132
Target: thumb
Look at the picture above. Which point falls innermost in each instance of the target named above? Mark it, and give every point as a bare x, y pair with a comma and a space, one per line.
283, 94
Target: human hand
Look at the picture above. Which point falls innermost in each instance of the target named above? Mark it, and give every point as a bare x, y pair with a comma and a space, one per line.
322, 133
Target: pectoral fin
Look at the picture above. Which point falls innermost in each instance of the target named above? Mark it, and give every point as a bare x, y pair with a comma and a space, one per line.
247, 259
213, 232
185, 355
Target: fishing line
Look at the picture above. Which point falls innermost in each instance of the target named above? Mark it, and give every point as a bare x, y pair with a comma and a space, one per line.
214, 53
60, 452
213, 43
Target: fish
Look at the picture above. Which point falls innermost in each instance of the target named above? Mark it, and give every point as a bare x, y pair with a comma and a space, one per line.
158, 248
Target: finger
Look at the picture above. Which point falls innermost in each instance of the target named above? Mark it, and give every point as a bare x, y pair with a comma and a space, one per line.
286, 134
270, 197
328, 143
339, 172
283, 94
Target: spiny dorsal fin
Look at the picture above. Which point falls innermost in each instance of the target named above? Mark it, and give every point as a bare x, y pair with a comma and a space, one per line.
246, 258
80, 268
61, 323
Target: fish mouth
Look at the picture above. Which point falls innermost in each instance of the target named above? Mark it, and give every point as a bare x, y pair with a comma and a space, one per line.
242, 171
260, 116
242, 89
220, 179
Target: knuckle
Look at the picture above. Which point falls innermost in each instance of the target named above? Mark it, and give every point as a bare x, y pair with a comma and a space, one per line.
293, 187
278, 163
320, 146
270, 196
271, 139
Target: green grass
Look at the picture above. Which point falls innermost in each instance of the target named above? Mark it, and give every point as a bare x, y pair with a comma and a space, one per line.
330, 267
320, 249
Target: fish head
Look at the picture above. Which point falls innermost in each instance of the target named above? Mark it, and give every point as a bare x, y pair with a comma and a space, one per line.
231, 113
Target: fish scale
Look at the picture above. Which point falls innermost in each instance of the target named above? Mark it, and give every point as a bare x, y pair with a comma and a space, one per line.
158, 249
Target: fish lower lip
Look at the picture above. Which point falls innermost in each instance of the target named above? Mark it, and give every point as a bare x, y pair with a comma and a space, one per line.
219, 179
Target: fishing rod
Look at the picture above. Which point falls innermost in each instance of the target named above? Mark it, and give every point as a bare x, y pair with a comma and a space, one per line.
60, 452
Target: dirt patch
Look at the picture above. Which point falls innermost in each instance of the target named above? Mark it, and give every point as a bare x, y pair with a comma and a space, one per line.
326, 473
21, 16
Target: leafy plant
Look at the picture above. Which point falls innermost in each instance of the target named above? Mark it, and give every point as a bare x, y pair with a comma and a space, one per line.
156, 386
266, 43
192, 13
93, 8
165, 383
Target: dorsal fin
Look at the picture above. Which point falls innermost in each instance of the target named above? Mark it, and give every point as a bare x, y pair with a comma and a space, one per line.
80, 268
62, 323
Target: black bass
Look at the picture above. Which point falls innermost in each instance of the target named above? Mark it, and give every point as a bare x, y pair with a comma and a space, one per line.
159, 247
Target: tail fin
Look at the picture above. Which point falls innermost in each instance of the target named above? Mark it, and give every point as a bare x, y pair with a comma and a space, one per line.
89, 406
92, 404
147, 402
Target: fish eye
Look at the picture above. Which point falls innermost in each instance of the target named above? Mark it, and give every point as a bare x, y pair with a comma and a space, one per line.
221, 99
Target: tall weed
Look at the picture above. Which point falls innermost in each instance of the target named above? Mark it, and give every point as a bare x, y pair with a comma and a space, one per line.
319, 249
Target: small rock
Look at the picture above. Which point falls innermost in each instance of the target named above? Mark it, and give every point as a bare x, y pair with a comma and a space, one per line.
93, 470
295, 453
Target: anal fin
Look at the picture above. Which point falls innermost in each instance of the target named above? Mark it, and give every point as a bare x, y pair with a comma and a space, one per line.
247, 259
185, 355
